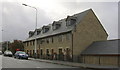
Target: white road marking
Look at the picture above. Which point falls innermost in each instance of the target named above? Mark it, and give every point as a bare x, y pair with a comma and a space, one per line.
38, 67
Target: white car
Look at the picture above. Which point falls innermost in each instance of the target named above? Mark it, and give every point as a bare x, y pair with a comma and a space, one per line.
0, 52
8, 53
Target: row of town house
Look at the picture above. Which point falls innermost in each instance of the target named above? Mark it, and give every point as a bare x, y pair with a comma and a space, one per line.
67, 38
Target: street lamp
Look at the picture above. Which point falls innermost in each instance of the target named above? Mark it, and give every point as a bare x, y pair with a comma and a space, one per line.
35, 28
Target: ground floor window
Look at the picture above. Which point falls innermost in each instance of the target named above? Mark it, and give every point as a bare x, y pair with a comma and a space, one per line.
61, 55
41, 52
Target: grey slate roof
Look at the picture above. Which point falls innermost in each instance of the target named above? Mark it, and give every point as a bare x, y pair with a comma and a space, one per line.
63, 27
110, 47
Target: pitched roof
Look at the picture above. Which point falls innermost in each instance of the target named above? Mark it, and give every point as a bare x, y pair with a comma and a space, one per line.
110, 47
63, 27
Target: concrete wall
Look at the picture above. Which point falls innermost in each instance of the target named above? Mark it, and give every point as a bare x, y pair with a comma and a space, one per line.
86, 32
101, 60
109, 60
91, 59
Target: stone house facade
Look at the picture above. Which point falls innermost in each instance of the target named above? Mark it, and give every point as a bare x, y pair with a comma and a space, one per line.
67, 38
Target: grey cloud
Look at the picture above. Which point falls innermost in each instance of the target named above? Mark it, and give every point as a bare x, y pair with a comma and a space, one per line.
119, 20
18, 21
107, 12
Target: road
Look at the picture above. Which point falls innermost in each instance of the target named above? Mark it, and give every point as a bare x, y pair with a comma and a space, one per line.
10, 62
0, 62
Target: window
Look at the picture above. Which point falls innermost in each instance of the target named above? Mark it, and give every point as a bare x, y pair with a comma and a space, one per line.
38, 41
52, 39
41, 52
42, 41
47, 40
60, 38
56, 26
33, 52
47, 51
27, 51
30, 52
67, 37
31, 33
26, 43
38, 32
70, 22
52, 51
30, 42
45, 30
33, 42
60, 51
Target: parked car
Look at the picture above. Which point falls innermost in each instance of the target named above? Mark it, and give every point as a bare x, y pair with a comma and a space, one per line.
0, 52
8, 53
21, 55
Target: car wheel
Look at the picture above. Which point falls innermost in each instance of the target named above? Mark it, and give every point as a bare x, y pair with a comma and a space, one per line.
26, 58
17, 57
14, 57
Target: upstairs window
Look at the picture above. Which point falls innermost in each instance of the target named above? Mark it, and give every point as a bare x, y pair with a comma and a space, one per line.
27, 44
33, 42
60, 38
47, 40
70, 20
31, 33
45, 29
42, 41
38, 32
68, 37
56, 25
52, 39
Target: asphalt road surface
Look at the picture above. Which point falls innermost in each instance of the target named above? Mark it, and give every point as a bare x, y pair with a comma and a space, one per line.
0, 62
10, 62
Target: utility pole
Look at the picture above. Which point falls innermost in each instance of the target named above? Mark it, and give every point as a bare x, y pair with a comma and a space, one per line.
35, 52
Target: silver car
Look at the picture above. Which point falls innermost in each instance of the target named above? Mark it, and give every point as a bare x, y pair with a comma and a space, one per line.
8, 53
0, 52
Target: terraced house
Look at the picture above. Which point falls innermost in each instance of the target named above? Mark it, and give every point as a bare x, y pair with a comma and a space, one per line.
67, 38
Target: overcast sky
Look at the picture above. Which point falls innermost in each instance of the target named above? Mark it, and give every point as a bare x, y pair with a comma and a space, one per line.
17, 20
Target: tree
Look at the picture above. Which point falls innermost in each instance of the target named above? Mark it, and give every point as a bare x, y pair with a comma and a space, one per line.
17, 44
5, 46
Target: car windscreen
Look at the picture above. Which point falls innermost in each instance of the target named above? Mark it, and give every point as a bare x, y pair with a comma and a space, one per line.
22, 53
9, 52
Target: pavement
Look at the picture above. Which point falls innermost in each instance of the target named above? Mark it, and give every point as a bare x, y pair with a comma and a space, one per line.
75, 64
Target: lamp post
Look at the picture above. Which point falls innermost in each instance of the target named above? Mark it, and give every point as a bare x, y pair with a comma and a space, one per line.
35, 52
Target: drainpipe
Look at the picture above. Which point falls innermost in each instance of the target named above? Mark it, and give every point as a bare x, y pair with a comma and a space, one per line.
74, 30
72, 46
